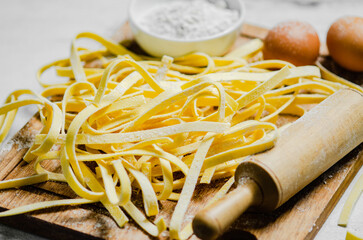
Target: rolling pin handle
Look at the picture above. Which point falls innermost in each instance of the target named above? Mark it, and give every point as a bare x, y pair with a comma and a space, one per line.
213, 220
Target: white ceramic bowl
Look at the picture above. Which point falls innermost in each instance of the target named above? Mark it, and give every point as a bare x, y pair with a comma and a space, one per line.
158, 46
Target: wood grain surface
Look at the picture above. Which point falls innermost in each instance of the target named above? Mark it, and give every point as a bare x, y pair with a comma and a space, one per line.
300, 218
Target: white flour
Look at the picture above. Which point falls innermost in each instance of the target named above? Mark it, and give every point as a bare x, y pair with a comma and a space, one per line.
189, 20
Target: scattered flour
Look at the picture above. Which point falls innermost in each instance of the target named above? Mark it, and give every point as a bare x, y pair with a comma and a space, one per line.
22, 142
312, 227
189, 20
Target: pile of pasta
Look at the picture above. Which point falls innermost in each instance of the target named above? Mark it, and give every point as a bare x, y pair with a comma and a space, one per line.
122, 122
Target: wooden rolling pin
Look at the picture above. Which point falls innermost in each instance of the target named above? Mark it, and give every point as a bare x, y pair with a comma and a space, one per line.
303, 151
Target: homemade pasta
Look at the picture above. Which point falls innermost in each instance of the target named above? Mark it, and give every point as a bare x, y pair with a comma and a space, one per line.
123, 122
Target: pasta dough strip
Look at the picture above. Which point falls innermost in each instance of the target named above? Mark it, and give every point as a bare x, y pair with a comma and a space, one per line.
188, 189
43, 205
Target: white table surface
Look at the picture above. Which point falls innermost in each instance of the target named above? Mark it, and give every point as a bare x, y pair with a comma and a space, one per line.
35, 32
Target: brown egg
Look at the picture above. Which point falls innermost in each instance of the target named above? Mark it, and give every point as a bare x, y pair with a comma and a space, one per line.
295, 42
345, 42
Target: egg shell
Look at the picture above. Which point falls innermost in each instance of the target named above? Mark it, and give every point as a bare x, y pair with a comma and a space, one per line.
292, 41
345, 42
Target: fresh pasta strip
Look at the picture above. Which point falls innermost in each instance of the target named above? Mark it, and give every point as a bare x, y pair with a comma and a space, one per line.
296, 72
67, 72
144, 144
350, 202
50, 175
125, 193
73, 182
149, 196
188, 188
7, 119
280, 109
118, 215
197, 59
124, 122
78, 86
43, 205
76, 64
11, 183
326, 74
270, 64
262, 88
207, 175
153, 230
17, 104
110, 189
167, 179
299, 99
113, 47
55, 118
258, 146
247, 49
300, 86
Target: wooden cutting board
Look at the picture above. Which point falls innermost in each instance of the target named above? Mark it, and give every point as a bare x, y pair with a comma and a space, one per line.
300, 218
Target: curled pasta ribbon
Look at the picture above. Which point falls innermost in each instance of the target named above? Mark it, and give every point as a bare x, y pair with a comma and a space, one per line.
10, 108
124, 124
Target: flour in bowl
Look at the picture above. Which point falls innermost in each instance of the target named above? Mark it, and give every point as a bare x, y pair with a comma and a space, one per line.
189, 20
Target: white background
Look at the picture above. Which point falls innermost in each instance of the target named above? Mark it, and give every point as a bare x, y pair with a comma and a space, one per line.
36, 32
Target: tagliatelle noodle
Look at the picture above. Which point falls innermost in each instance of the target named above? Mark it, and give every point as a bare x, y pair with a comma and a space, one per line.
115, 211
43, 205
247, 49
23, 181
349, 204
141, 220
126, 190
7, 119
189, 186
334, 78
123, 123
